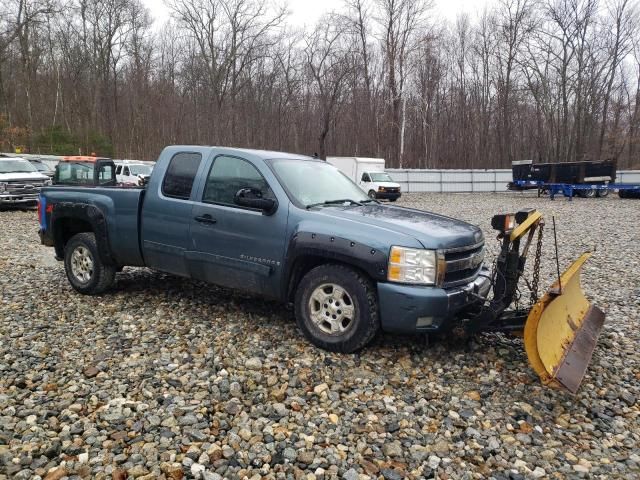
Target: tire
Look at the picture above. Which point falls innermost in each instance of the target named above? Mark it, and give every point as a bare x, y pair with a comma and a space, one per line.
325, 283
590, 193
85, 270
602, 192
392, 199
622, 194
372, 194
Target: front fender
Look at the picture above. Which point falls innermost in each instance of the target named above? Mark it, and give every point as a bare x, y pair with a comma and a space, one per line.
304, 245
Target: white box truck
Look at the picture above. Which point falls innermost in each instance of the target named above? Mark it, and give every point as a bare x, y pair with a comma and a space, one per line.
369, 174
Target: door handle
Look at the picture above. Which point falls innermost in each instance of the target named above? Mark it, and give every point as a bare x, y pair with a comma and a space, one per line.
206, 218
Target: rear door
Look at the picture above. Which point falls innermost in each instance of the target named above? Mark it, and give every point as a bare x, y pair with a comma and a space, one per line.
166, 216
236, 246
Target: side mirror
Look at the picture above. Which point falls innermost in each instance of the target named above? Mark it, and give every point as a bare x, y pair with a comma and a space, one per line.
252, 198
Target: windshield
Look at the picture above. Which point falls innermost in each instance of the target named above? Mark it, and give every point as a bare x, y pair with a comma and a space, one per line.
380, 177
140, 169
313, 182
16, 165
41, 167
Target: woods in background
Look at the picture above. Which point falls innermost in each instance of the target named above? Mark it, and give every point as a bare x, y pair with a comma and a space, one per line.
549, 80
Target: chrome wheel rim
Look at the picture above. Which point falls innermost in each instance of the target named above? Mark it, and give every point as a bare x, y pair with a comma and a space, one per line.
331, 309
82, 264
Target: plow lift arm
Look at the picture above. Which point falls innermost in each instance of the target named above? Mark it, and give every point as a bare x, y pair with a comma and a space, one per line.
560, 330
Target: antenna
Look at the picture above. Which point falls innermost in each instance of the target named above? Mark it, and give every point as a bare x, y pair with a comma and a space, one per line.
555, 241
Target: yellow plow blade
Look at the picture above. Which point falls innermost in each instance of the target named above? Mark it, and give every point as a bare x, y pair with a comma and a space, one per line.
561, 331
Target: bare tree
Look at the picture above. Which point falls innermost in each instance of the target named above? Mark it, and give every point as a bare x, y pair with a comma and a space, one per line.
328, 63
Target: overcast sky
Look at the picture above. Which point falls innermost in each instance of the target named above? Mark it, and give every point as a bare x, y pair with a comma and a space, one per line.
306, 12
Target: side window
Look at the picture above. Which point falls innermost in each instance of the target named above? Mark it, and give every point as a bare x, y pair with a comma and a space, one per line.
105, 175
180, 174
365, 177
118, 169
126, 171
230, 174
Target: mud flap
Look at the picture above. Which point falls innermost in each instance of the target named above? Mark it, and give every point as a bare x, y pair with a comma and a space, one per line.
561, 331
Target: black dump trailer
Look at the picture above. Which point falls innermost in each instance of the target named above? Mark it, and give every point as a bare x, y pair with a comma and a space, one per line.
528, 175
568, 172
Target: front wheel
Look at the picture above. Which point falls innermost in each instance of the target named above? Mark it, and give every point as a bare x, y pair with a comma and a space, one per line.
337, 308
85, 270
372, 194
603, 192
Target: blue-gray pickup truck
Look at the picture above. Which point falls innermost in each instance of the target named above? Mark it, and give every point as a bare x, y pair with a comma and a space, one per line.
284, 226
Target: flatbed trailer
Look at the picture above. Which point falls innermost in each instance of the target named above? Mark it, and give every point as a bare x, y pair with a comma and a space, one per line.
631, 190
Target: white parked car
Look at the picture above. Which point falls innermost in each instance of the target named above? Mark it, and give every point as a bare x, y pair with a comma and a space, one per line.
20, 182
130, 173
370, 176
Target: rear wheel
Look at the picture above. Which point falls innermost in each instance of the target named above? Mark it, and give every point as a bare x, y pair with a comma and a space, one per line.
85, 270
337, 308
602, 192
588, 193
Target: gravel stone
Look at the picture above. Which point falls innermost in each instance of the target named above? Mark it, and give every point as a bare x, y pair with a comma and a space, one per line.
167, 377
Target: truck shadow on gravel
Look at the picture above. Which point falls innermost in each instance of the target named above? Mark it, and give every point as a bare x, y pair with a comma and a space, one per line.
260, 313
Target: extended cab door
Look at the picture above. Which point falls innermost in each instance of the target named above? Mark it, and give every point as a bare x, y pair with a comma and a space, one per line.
166, 213
235, 246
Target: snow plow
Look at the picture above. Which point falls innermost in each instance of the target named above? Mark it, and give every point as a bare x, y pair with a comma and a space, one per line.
561, 328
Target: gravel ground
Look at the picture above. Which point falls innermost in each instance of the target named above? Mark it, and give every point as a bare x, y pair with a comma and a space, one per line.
168, 378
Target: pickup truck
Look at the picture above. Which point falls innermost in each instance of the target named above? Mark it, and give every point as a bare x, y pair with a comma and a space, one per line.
285, 226
20, 182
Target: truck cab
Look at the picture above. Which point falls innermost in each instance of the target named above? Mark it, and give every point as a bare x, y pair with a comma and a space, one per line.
379, 185
369, 174
85, 171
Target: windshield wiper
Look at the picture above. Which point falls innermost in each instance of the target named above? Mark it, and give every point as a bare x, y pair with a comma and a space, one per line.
334, 202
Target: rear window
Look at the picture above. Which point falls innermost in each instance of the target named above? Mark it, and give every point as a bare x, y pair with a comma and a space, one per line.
74, 173
181, 172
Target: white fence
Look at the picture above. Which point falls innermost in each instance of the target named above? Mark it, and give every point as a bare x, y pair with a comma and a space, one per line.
469, 180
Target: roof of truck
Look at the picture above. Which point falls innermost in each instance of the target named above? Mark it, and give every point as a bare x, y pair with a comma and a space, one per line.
263, 154
82, 158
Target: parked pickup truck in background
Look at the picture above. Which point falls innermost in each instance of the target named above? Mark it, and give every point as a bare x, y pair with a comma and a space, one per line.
281, 225
20, 182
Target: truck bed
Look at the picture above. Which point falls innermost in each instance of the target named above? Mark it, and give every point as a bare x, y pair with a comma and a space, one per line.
120, 206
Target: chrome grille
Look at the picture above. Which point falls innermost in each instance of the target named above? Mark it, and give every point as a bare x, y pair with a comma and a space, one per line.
462, 264
24, 187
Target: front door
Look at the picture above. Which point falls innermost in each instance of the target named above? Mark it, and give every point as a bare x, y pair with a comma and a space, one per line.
235, 246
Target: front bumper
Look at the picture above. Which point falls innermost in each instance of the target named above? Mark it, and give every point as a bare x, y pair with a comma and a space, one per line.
414, 309
13, 199
388, 195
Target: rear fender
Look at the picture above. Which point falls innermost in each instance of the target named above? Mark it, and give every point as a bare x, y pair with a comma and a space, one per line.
67, 219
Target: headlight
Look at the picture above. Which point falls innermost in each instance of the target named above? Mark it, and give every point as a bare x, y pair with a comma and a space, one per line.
381, 189
411, 265
3, 186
